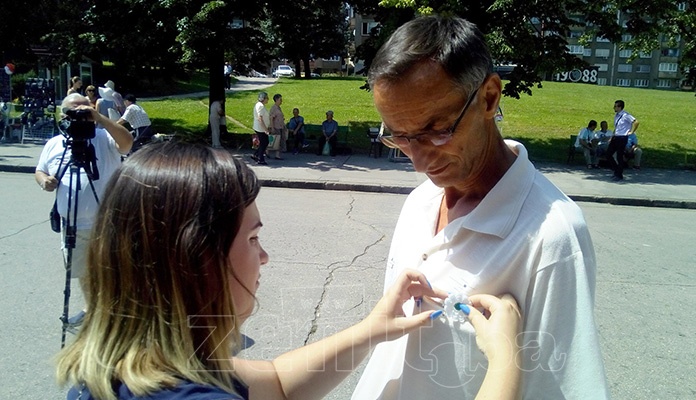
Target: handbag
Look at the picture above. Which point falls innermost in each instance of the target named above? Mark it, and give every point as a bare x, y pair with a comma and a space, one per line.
273, 142
255, 142
54, 217
326, 150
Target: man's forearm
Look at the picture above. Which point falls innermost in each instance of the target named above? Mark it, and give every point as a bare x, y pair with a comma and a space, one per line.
123, 138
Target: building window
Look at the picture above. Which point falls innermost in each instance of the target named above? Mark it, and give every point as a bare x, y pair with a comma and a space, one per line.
643, 68
575, 34
669, 52
668, 67
368, 26
600, 39
625, 68
645, 55
623, 82
602, 81
602, 53
626, 38
587, 52
681, 6
575, 49
664, 83
625, 53
602, 67
641, 82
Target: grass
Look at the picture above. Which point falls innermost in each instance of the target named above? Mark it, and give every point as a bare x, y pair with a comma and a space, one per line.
543, 121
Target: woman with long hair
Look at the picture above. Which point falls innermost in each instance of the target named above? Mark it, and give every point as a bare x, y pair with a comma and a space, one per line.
173, 269
75, 85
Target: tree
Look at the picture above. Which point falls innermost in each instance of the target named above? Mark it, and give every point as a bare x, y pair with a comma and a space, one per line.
308, 28
532, 35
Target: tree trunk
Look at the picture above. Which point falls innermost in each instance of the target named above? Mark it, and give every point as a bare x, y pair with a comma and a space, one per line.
216, 76
308, 71
298, 70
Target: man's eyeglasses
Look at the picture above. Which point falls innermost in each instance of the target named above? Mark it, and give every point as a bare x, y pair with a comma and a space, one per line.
436, 138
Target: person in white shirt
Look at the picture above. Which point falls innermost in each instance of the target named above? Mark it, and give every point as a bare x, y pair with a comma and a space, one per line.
53, 174
217, 119
138, 119
262, 127
624, 125
603, 135
486, 221
586, 143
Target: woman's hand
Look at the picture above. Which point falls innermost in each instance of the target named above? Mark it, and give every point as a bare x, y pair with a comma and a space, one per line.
497, 329
387, 320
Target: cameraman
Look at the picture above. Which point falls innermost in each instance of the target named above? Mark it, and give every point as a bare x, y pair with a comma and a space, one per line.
109, 144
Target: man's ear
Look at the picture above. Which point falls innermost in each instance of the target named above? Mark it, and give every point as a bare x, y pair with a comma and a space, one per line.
491, 89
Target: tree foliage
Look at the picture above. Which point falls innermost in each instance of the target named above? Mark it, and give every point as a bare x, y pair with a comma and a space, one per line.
532, 34
308, 29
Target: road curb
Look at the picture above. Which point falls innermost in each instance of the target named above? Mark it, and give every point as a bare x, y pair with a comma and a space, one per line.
396, 189
635, 202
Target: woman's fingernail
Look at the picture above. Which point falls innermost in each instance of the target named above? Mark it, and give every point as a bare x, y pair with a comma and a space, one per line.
464, 308
436, 314
429, 285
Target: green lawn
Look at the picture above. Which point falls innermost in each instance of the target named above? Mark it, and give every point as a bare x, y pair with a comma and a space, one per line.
543, 121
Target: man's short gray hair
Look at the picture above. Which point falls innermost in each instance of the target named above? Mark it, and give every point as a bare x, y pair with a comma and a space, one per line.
72, 100
455, 44
263, 96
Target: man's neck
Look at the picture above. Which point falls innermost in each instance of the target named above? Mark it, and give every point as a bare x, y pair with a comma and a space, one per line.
461, 200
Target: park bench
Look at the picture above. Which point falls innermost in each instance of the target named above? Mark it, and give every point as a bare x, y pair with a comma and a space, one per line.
572, 150
313, 131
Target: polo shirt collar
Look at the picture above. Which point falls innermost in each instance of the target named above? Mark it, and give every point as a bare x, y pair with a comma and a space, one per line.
499, 210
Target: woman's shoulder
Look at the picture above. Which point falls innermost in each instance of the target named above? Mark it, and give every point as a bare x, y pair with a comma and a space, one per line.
184, 391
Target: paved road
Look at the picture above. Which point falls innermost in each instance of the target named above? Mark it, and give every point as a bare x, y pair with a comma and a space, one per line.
328, 250
243, 83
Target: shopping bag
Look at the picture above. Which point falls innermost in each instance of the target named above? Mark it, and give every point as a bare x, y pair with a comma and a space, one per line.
327, 149
273, 142
255, 141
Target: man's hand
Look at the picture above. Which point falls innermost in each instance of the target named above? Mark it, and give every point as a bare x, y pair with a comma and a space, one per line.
47, 182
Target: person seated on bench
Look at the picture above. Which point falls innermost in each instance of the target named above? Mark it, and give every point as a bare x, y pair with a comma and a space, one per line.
633, 151
296, 126
604, 135
584, 142
329, 130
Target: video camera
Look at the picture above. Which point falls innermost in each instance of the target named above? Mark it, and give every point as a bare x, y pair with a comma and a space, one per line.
79, 126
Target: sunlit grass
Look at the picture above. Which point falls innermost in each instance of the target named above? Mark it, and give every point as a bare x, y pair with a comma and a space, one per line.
543, 121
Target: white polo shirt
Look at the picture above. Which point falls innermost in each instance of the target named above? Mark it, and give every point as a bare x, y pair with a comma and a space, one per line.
525, 238
622, 123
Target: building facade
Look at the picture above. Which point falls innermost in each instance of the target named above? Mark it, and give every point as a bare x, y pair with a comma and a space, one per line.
658, 69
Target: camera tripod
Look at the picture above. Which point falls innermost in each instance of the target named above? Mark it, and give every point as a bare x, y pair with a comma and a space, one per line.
82, 157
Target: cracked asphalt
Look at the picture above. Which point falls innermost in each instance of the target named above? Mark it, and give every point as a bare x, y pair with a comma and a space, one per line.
327, 257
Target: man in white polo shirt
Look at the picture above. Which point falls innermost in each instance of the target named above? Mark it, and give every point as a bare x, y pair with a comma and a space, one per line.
624, 125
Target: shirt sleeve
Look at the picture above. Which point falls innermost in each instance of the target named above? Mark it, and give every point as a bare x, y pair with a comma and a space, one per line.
560, 344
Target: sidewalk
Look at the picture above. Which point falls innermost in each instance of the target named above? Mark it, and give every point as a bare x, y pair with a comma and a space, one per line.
358, 172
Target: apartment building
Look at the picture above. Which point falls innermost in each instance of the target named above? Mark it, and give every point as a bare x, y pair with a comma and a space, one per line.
658, 69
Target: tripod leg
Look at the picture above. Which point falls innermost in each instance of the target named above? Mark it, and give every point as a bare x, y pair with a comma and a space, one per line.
66, 296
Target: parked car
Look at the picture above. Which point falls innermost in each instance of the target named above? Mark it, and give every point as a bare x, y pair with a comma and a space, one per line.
284, 70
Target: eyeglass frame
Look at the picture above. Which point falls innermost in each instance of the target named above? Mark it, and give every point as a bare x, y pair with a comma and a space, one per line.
441, 136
